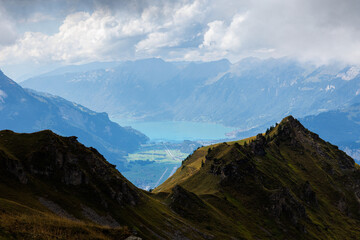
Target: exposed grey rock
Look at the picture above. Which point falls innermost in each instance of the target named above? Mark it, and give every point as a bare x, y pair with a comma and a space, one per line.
96, 218
258, 145
283, 205
55, 208
133, 238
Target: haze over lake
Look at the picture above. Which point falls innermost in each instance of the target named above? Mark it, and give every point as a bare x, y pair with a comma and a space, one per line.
178, 130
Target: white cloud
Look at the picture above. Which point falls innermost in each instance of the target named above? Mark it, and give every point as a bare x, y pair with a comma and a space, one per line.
222, 37
104, 35
82, 36
177, 26
157, 40
321, 31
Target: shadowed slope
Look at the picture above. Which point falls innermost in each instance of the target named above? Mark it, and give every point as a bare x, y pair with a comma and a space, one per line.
57, 179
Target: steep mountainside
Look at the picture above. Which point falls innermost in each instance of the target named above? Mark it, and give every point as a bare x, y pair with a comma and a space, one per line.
53, 187
341, 127
254, 91
23, 110
146, 88
285, 184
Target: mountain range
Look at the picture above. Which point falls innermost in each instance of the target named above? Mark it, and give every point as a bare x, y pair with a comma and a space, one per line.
284, 184
254, 91
25, 110
341, 127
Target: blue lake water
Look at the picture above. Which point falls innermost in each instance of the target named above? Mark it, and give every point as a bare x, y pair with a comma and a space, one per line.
178, 130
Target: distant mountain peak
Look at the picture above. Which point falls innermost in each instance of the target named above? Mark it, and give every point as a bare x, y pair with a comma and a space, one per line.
6, 80
25, 110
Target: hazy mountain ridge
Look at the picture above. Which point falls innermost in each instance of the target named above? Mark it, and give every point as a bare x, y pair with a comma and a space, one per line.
255, 91
25, 110
145, 89
286, 183
341, 127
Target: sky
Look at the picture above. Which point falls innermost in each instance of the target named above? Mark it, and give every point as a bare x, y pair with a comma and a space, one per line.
37, 35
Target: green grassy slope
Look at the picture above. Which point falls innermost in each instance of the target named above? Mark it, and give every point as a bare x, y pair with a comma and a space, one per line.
286, 184
62, 183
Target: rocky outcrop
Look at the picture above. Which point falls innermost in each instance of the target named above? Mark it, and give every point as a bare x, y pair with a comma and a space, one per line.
65, 160
93, 216
308, 195
13, 166
55, 208
285, 208
258, 145
187, 204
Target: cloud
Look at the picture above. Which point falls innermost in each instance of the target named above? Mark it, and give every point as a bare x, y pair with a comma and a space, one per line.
82, 36
222, 37
105, 35
321, 31
179, 26
8, 35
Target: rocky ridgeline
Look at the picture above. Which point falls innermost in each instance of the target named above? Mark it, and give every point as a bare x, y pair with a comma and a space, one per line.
66, 162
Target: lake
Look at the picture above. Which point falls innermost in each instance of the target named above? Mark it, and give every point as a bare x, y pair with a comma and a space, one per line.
178, 130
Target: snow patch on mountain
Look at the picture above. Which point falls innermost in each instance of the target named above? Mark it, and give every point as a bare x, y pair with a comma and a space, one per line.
3, 95
350, 74
216, 78
330, 88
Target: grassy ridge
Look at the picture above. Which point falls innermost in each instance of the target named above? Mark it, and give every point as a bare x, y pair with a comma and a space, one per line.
18, 221
284, 184
287, 183
81, 183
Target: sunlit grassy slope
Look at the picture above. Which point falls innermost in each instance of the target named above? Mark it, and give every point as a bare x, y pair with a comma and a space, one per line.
285, 184
192, 164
